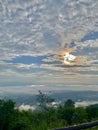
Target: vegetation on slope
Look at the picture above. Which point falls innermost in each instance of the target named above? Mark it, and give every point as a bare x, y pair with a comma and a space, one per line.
47, 117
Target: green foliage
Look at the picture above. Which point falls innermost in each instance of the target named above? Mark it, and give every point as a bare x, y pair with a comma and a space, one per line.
62, 116
20, 121
6, 112
66, 114
79, 116
69, 104
92, 112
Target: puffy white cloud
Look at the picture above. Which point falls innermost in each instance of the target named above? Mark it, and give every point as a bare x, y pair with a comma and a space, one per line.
24, 107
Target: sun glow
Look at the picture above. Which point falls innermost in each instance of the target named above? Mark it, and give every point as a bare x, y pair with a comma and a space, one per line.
69, 58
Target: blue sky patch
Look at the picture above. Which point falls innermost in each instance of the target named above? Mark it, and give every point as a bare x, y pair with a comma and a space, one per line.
95, 62
31, 59
90, 36
27, 59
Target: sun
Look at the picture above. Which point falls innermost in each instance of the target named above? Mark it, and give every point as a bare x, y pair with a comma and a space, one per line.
69, 59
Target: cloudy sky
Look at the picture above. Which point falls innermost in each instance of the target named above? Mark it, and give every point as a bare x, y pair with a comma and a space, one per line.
35, 34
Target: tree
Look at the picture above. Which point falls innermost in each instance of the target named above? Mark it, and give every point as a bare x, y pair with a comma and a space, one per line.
92, 111
79, 116
6, 112
21, 121
44, 100
69, 103
66, 114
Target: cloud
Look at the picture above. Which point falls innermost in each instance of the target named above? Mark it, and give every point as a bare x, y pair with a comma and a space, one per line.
30, 37
85, 103
35, 34
24, 107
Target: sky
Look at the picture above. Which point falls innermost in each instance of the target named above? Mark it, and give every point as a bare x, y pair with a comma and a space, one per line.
35, 34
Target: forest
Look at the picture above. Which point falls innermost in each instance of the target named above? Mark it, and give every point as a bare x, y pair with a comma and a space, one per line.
47, 116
